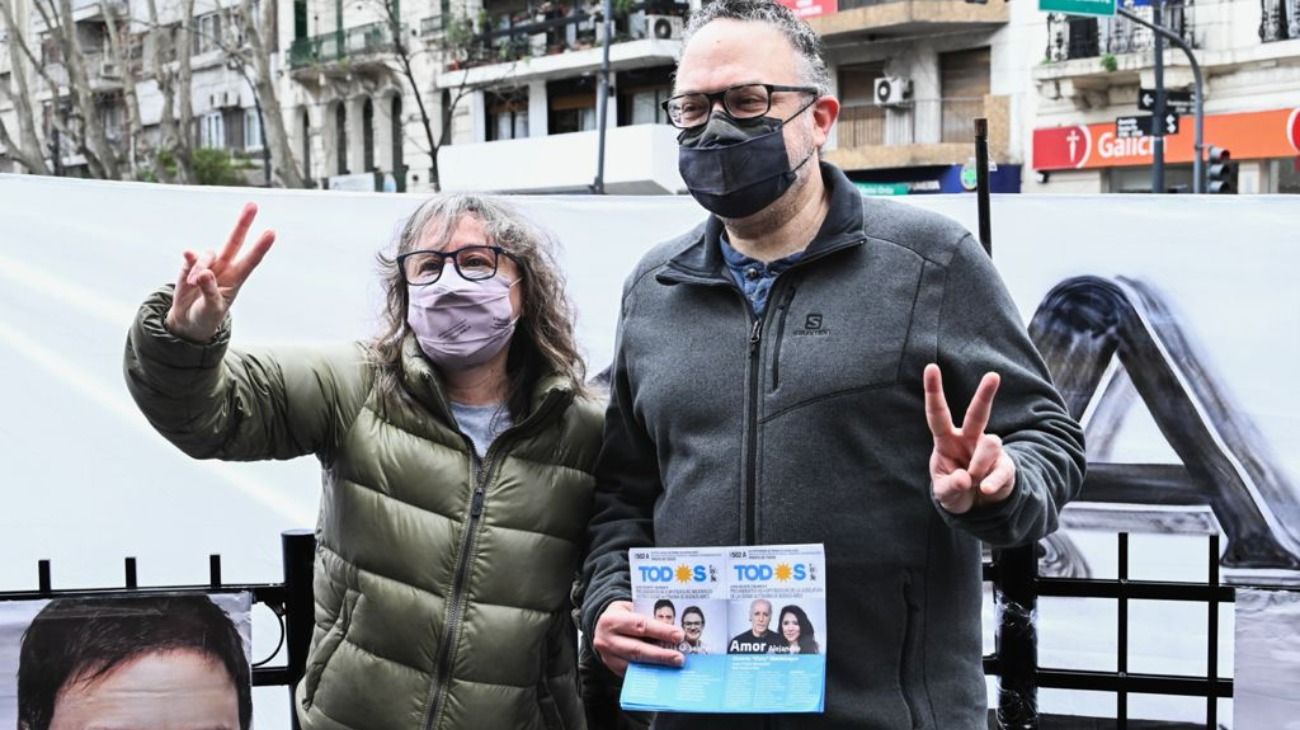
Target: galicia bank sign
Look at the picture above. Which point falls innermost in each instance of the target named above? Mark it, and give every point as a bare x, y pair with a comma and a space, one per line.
1250, 136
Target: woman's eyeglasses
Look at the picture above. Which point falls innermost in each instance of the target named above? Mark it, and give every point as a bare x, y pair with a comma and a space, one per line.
473, 263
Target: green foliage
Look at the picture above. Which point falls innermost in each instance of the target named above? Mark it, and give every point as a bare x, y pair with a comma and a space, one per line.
214, 167
1109, 62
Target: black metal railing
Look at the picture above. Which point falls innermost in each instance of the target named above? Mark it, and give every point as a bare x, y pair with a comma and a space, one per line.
1279, 20
554, 27
332, 47
292, 602
1017, 587
1072, 37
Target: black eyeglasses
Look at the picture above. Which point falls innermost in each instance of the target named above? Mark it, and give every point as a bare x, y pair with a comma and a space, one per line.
745, 101
473, 263
692, 624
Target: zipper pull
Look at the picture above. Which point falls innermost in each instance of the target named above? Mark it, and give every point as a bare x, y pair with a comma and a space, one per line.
755, 334
476, 508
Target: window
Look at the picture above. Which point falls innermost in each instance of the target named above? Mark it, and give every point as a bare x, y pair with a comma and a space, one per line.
207, 33
572, 105
252, 130
212, 131
507, 114
647, 105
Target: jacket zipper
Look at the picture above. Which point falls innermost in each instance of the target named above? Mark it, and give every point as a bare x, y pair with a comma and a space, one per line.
784, 308
482, 477
751, 433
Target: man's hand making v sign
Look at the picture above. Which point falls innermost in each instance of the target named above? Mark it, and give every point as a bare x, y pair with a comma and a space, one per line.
968, 468
209, 282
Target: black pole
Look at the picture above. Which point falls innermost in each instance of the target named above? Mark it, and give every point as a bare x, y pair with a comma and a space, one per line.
602, 103
982, 183
1017, 639
299, 551
1158, 109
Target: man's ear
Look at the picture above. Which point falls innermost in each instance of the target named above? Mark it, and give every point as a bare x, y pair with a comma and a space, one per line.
824, 113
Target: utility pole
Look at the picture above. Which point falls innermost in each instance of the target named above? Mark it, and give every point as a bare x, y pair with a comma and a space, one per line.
1198, 166
1158, 109
602, 98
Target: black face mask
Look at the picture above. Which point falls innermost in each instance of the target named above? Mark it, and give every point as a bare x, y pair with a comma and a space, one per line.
737, 167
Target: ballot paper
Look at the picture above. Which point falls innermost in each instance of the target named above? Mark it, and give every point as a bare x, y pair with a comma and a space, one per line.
754, 618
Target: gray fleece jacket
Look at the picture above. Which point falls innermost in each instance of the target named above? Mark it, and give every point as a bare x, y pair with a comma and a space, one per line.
808, 425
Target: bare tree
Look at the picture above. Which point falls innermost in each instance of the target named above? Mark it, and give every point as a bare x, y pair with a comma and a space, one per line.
176, 142
120, 41
254, 52
457, 37
27, 151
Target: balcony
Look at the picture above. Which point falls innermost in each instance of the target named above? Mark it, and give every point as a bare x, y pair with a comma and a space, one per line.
93, 10
347, 49
922, 133
1097, 53
859, 20
1279, 20
554, 39
639, 160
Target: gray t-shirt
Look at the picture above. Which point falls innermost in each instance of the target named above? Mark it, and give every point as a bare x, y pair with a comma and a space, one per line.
481, 423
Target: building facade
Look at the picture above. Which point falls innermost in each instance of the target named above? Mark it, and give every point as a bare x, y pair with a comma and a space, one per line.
1092, 71
119, 77
912, 76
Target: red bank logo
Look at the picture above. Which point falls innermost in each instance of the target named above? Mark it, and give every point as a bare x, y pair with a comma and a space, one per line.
1293, 130
1062, 148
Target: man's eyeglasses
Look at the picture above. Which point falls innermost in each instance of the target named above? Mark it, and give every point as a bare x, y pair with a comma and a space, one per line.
473, 263
745, 101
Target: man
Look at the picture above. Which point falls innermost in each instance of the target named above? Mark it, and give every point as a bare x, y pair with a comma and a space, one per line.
173, 662
693, 632
665, 612
759, 639
782, 375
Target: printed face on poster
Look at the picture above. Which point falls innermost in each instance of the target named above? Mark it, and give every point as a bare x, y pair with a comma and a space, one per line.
779, 626
140, 662
703, 621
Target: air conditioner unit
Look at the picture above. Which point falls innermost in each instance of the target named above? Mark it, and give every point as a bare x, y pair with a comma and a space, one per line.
663, 27
109, 70
893, 91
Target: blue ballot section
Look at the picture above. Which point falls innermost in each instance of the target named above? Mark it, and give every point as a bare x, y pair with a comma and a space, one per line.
729, 683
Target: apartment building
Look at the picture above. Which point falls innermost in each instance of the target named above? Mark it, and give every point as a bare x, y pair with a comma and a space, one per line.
1090, 72
222, 100
912, 76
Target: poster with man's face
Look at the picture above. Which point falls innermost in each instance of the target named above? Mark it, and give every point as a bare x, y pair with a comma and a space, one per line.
146, 662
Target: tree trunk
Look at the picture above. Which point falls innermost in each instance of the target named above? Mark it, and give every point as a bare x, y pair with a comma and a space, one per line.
275, 136
184, 151
167, 124
28, 150
95, 137
119, 47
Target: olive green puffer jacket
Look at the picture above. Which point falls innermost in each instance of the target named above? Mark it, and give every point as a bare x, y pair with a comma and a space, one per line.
442, 593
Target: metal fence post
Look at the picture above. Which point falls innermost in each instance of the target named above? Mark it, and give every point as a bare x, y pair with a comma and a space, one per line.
1017, 639
299, 551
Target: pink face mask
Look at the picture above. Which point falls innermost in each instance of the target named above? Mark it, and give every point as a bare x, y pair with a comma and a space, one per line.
460, 324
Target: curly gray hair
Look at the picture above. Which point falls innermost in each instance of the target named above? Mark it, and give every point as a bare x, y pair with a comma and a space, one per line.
805, 41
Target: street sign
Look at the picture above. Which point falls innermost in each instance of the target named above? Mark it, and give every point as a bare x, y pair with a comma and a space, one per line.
1100, 8
1175, 101
1138, 126
1143, 125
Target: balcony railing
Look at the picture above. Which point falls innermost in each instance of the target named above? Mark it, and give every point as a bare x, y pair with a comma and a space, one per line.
553, 27
924, 121
1279, 20
361, 40
1070, 37
860, 126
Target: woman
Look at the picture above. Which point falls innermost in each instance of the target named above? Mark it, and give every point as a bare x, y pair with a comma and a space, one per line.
797, 631
457, 451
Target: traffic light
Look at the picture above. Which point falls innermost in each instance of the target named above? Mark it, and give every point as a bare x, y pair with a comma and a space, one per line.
1221, 172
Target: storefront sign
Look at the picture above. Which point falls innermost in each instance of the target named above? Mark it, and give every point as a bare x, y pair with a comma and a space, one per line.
811, 8
1249, 135
1078, 7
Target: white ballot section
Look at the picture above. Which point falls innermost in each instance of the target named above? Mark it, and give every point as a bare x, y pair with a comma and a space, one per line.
754, 619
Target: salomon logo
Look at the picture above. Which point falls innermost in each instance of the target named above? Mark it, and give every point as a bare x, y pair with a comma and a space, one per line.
812, 326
